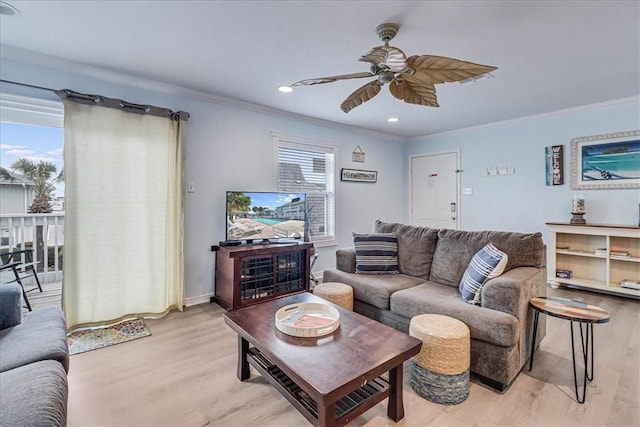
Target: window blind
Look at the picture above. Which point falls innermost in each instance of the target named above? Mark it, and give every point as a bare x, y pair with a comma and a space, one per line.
310, 169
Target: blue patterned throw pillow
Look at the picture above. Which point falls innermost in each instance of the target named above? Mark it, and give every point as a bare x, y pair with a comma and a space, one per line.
487, 263
376, 253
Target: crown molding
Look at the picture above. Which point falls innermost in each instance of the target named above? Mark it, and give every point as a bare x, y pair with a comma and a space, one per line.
557, 113
117, 77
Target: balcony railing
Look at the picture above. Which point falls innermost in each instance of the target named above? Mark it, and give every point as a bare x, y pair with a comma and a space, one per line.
44, 233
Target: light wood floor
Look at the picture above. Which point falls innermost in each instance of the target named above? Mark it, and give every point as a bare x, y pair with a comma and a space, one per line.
185, 375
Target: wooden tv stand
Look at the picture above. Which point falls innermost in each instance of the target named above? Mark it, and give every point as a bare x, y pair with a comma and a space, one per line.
250, 274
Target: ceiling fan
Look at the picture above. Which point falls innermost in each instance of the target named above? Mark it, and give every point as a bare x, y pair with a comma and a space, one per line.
410, 79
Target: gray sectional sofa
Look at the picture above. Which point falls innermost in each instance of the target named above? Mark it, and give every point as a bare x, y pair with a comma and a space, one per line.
34, 361
431, 264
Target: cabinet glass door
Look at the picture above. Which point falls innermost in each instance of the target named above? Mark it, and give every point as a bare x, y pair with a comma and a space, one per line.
256, 278
290, 272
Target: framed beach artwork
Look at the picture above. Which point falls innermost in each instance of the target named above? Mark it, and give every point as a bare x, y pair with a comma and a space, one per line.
605, 161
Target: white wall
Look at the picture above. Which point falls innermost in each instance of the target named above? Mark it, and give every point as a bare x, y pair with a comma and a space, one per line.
230, 148
523, 201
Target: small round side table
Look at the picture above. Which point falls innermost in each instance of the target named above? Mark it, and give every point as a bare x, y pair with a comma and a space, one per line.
574, 311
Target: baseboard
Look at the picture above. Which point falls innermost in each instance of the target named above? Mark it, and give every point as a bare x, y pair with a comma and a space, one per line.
200, 299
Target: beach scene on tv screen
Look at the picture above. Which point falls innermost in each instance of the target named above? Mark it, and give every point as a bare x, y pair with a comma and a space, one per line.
265, 215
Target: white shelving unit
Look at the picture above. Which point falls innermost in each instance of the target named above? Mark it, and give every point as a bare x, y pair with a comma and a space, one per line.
575, 250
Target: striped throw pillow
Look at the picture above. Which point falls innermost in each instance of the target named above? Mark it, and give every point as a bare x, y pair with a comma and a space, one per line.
487, 263
376, 253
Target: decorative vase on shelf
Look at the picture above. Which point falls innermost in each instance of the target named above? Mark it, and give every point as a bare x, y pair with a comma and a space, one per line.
578, 210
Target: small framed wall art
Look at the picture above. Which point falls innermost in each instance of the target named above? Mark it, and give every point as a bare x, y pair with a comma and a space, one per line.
604, 161
358, 155
358, 175
554, 172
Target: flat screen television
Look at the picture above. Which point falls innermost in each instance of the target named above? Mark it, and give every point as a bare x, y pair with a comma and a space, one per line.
258, 216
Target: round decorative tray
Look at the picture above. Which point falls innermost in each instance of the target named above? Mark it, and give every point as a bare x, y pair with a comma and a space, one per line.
307, 319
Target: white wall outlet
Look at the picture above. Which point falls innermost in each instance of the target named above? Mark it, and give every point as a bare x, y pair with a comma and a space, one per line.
467, 190
191, 187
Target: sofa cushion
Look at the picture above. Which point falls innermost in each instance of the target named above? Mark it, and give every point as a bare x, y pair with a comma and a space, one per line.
455, 249
487, 325
372, 289
416, 246
487, 263
10, 305
34, 395
376, 253
42, 335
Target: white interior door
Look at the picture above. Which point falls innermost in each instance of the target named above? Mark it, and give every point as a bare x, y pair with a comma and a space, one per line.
434, 190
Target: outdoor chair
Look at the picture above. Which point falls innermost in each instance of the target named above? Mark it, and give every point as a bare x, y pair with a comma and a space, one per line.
239, 229
9, 274
21, 263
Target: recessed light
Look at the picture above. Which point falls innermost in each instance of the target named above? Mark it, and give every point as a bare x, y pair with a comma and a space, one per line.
7, 9
285, 88
393, 119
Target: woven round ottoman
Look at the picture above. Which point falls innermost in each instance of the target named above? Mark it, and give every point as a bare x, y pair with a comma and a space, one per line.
338, 293
440, 372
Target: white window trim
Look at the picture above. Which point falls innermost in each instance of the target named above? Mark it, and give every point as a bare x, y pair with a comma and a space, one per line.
282, 140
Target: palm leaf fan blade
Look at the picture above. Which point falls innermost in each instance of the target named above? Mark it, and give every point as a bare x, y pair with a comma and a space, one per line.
361, 95
439, 69
423, 94
331, 79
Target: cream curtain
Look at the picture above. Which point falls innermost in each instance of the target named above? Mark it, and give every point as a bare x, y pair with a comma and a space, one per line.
123, 214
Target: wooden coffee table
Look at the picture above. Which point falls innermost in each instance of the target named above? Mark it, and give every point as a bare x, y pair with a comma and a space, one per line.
333, 379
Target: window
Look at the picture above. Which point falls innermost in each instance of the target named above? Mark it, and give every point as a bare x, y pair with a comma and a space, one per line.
31, 132
306, 167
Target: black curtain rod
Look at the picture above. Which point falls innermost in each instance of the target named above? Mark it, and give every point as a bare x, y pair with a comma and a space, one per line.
27, 85
108, 102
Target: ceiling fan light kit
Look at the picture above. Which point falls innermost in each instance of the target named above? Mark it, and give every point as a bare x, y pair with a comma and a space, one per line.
411, 80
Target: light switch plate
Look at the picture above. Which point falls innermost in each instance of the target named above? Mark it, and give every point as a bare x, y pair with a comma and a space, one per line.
467, 190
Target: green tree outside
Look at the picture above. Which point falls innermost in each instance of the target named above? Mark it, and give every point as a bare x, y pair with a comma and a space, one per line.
237, 202
42, 174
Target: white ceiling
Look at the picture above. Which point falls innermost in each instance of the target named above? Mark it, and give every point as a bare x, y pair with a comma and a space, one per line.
551, 55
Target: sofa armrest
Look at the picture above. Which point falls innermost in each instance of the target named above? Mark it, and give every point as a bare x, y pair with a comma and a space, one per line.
10, 305
346, 260
511, 292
